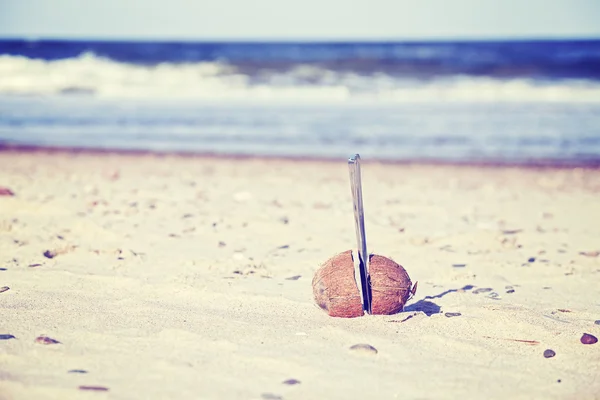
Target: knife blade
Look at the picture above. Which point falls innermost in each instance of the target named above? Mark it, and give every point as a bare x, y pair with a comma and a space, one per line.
359, 221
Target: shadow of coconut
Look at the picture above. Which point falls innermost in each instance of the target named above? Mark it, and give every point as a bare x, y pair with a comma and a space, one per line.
430, 308
427, 307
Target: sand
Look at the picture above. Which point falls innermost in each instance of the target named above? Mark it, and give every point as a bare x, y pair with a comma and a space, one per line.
190, 278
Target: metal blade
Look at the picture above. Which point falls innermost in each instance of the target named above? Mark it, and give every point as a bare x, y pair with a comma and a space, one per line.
359, 220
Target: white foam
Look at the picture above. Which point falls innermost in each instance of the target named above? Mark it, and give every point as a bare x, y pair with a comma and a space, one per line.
97, 76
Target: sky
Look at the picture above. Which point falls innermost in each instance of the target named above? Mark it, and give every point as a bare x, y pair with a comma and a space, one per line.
299, 19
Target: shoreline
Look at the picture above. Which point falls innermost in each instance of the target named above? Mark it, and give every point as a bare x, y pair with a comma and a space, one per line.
544, 164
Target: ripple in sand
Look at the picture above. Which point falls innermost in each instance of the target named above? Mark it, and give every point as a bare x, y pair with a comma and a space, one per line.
271, 396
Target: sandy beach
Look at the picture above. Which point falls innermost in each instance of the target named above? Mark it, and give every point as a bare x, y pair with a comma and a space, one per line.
141, 276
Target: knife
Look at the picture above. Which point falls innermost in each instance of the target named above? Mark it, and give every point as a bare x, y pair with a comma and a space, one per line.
359, 220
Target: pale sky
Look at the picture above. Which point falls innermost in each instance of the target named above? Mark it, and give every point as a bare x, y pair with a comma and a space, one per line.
299, 19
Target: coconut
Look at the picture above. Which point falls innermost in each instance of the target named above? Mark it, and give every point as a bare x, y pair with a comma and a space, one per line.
336, 290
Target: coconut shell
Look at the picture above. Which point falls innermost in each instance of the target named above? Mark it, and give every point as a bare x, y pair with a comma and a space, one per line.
336, 290
390, 285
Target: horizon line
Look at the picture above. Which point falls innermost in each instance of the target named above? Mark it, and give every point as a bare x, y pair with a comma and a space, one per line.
532, 38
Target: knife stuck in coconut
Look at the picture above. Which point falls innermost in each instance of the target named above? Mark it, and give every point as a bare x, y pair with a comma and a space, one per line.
354, 282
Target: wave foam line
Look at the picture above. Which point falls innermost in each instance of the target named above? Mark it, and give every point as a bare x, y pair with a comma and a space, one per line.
92, 75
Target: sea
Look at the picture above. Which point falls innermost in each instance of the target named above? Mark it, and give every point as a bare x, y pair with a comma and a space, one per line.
508, 102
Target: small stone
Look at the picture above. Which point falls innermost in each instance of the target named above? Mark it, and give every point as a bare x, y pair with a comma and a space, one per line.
4, 191
46, 340
482, 290
511, 231
590, 253
77, 371
49, 254
531, 259
549, 353
459, 265
6, 336
588, 339
94, 388
294, 278
291, 382
4, 289
452, 314
597, 322
364, 348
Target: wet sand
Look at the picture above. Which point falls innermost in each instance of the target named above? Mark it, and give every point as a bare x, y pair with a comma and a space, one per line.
164, 276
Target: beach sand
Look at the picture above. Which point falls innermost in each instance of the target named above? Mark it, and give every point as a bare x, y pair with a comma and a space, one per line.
171, 277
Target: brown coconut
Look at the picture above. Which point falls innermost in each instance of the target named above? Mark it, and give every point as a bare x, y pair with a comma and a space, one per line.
336, 290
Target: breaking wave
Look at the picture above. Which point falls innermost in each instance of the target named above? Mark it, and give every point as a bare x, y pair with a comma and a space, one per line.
92, 75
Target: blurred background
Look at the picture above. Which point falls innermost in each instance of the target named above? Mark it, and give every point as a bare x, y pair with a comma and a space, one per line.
452, 81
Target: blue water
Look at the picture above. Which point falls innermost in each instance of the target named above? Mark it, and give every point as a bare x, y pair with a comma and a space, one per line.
517, 102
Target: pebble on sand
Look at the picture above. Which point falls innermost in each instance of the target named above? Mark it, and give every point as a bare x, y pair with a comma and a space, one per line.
4, 289
6, 336
549, 353
49, 254
291, 382
588, 339
46, 340
363, 348
452, 314
4, 191
95, 388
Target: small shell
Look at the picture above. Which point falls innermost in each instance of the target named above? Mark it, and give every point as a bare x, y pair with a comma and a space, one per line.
46, 340
4, 191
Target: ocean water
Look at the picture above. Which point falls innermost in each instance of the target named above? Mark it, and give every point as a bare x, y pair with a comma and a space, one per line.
500, 102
